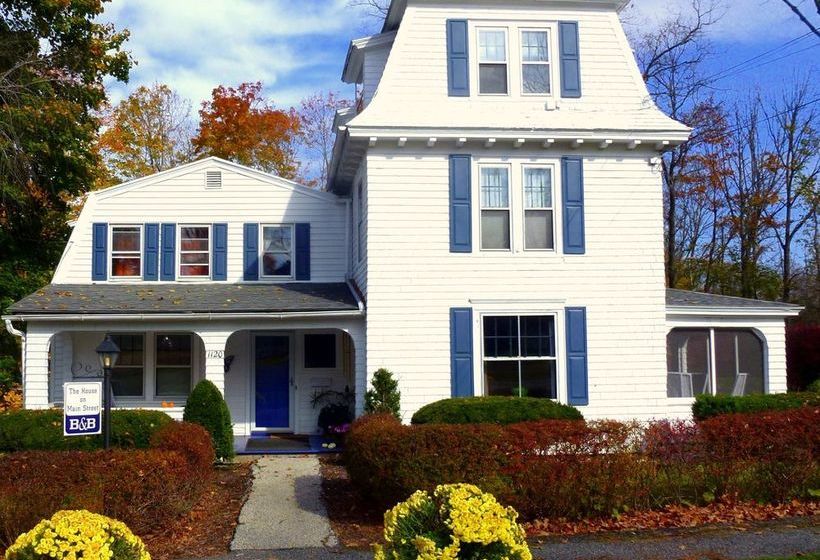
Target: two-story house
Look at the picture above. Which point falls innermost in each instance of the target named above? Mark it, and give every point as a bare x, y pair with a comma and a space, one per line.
492, 225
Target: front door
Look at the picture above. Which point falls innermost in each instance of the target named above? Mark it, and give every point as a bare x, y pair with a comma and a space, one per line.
272, 362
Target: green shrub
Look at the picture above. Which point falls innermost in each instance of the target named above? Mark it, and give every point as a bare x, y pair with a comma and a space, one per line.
707, 406
207, 407
384, 397
814, 386
493, 410
24, 430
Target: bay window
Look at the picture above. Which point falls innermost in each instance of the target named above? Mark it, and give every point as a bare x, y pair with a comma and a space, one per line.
519, 356
495, 207
195, 251
492, 61
535, 62
126, 251
538, 208
277, 251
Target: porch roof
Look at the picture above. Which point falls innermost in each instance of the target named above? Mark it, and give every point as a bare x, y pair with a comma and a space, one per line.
129, 299
686, 300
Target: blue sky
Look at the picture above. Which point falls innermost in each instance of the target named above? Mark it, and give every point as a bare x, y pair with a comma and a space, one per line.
297, 47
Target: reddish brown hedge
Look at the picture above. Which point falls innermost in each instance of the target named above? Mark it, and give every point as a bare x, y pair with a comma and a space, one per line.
192, 440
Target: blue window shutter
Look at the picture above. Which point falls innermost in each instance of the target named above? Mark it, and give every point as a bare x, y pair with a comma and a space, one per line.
570, 59
572, 182
251, 252
460, 204
220, 252
302, 256
150, 270
168, 251
99, 252
461, 352
577, 368
458, 58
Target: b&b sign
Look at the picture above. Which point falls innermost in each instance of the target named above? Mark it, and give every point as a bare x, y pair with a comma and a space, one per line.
82, 408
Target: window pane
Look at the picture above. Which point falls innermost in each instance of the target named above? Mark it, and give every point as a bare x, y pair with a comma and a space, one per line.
536, 78
173, 381
125, 266
173, 350
537, 336
534, 46
320, 350
276, 264
492, 78
538, 379
492, 45
194, 258
495, 229
495, 187
501, 378
130, 346
194, 245
500, 337
125, 239
538, 187
196, 232
126, 381
276, 239
538, 229
687, 361
194, 270
739, 362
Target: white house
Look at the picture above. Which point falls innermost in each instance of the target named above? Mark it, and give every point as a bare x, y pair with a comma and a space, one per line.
492, 225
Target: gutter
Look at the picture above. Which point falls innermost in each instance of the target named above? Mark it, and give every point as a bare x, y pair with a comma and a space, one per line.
734, 311
91, 317
22, 336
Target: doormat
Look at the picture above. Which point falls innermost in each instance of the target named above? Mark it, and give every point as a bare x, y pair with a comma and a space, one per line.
288, 445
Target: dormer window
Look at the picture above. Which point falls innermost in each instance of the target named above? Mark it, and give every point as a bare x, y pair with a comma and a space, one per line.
535, 62
492, 61
195, 251
126, 251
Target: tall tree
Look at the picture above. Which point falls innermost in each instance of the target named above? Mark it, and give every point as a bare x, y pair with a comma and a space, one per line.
53, 59
239, 124
148, 132
316, 116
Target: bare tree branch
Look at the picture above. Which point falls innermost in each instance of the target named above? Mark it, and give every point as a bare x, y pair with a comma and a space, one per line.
802, 17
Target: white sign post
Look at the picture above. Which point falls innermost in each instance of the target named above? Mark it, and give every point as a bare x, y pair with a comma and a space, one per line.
82, 408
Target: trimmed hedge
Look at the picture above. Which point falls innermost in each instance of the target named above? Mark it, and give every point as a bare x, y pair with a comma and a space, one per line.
144, 488
28, 430
707, 406
574, 470
207, 407
493, 410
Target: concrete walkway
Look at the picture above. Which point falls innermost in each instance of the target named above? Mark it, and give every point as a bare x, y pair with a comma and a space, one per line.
285, 509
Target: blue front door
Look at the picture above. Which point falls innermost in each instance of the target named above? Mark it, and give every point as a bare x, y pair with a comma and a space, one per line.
272, 381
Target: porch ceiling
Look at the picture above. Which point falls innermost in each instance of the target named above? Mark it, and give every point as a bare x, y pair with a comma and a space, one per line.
186, 299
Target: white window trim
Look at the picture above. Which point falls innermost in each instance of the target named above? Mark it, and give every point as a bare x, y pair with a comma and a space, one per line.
154, 336
479, 62
182, 277
277, 278
111, 252
509, 208
549, 63
552, 167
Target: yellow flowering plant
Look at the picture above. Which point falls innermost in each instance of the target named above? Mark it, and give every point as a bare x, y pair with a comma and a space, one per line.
75, 534
458, 521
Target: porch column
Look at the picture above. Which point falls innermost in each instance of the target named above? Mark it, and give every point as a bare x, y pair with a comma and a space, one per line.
214, 342
35, 369
357, 336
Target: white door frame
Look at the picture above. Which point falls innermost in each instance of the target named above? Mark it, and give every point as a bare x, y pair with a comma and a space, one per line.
290, 335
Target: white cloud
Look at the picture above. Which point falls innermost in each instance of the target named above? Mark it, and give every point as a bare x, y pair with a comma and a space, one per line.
743, 21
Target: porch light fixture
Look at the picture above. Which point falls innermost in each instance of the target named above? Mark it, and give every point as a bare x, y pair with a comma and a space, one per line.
108, 352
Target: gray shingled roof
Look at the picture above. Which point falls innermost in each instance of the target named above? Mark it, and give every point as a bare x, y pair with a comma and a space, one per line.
186, 298
683, 298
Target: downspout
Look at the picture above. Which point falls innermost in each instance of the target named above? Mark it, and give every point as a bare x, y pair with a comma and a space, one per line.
22, 336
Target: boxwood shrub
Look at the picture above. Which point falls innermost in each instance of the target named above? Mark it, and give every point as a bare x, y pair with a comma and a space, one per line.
707, 406
26, 430
493, 410
207, 407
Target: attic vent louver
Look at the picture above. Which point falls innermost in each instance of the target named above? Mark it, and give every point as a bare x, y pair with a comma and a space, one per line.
213, 179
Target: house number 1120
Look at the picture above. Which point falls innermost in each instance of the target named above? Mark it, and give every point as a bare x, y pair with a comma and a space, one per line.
216, 353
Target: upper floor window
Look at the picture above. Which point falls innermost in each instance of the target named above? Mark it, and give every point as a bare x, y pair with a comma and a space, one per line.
195, 251
539, 230
277, 251
126, 251
519, 357
495, 207
492, 61
535, 62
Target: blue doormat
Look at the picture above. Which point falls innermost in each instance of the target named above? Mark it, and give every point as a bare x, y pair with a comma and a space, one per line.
266, 444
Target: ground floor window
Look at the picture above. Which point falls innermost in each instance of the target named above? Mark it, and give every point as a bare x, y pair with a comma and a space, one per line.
714, 361
174, 365
170, 354
519, 357
127, 373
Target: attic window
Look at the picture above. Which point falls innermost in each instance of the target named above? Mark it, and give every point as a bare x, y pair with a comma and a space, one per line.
213, 179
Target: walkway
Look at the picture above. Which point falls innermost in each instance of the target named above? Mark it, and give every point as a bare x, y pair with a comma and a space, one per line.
285, 508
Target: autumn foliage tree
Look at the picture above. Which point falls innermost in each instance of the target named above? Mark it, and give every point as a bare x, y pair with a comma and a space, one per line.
240, 125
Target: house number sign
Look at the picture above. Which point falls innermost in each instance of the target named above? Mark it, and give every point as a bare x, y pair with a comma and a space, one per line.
82, 408
216, 354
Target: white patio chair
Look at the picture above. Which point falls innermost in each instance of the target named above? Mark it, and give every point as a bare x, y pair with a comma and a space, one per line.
740, 385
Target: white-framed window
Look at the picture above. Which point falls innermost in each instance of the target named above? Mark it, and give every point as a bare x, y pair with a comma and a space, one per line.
360, 221
173, 369
493, 61
519, 355
722, 361
535, 62
126, 251
539, 208
195, 251
277, 251
494, 183
128, 373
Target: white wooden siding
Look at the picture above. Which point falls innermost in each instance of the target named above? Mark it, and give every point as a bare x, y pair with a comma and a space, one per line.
375, 60
243, 198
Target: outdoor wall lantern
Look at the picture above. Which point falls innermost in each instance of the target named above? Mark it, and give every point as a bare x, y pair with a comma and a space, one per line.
228, 361
108, 352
